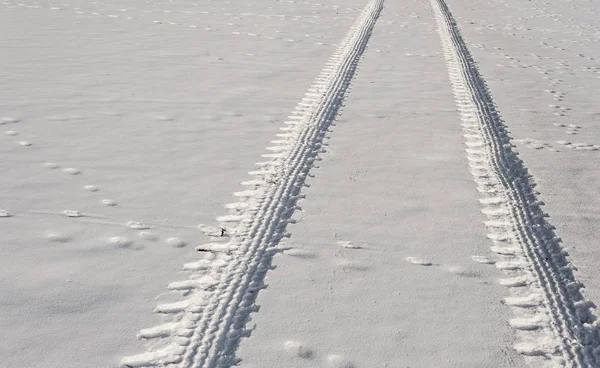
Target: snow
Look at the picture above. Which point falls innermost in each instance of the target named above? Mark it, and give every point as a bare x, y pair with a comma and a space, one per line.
395, 179
202, 184
162, 120
527, 95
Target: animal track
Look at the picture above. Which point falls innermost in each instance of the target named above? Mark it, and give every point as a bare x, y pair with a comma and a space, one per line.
298, 349
58, 237
72, 213
482, 259
120, 242
137, 225
176, 242
418, 261
51, 165
148, 235
8, 120
109, 202
5, 213
188, 21
71, 171
338, 361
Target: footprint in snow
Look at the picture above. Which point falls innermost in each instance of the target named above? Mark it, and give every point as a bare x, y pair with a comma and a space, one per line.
51, 165
348, 244
458, 270
57, 237
338, 361
350, 265
120, 242
148, 235
300, 253
176, 242
137, 225
298, 349
482, 259
462, 271
419, 261
109, 202
71, 171
8, 120
72, 213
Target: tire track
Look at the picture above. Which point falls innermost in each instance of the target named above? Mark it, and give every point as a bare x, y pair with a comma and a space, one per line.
222, 287
554, 320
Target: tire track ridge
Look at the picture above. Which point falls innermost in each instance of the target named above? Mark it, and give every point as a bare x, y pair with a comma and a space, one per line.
560, 325
221, 291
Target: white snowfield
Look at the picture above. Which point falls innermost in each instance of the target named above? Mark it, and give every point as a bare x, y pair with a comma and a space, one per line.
291, 183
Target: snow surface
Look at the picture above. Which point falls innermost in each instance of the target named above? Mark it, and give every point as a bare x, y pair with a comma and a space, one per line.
394, 181
162, 119
126, 126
